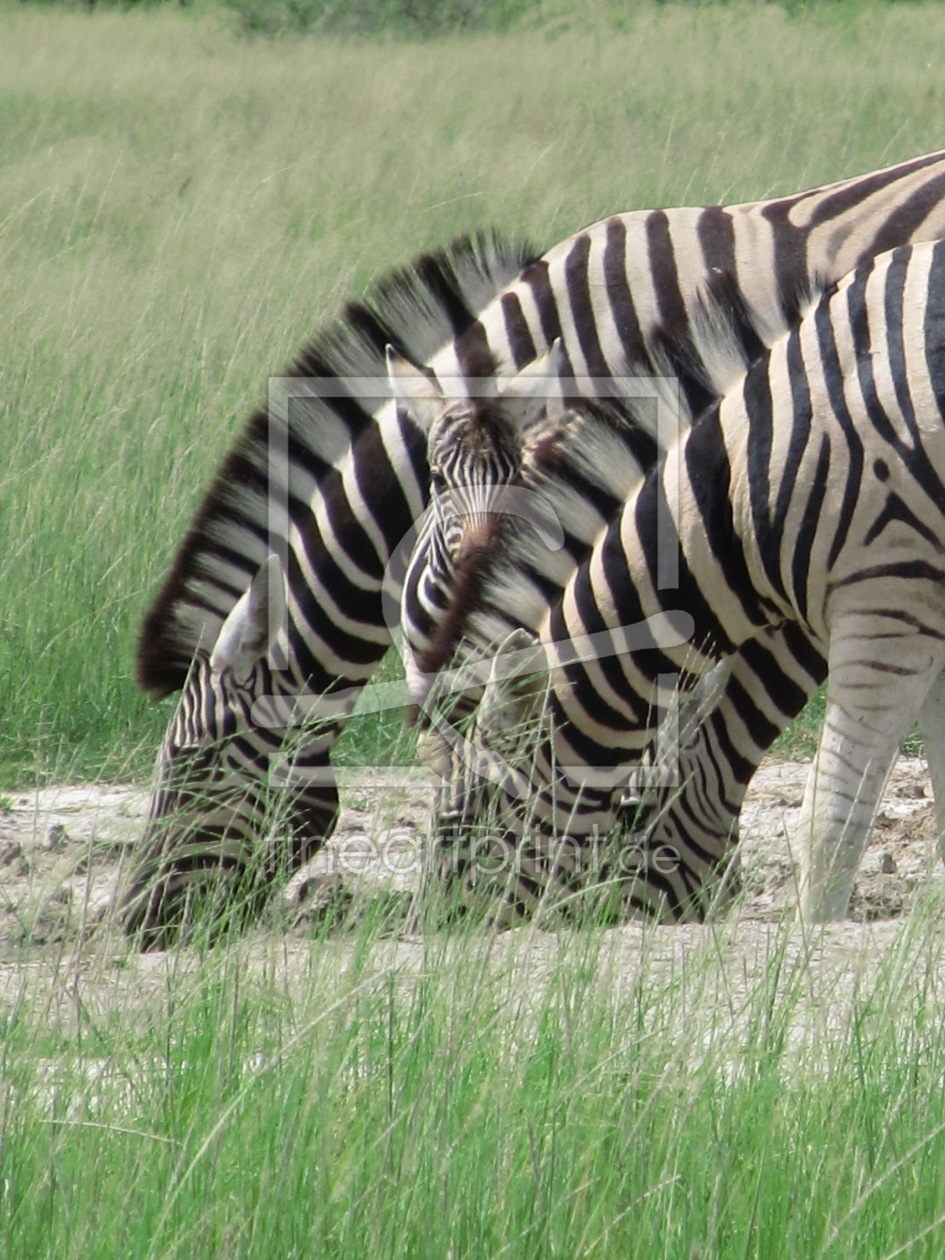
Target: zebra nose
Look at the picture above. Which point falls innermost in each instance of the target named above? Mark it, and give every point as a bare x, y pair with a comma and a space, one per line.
478, 534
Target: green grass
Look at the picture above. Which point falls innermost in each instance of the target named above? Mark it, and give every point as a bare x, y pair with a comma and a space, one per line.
526, 1096
180, 207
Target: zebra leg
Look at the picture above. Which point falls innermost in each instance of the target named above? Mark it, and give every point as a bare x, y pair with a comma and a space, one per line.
870, 707
932, 725
686, 828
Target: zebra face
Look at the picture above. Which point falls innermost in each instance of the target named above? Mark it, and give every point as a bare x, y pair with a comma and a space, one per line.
474, 445
475, 452
207, 811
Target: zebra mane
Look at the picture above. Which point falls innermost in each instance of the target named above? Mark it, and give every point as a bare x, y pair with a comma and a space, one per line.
725, 336
583, 474
418, 308
599, 460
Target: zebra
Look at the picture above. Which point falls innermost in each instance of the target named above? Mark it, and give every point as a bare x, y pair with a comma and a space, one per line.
275, 595
331, 476
475, 449
813, 494
487, 476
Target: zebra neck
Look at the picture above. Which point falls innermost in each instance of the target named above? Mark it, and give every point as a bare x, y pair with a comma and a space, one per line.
693, 548
286, 706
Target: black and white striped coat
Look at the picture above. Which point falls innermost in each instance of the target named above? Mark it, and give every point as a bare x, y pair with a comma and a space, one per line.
812, 495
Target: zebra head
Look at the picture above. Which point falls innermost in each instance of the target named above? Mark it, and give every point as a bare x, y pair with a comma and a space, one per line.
207, 809
476, 449
474, 445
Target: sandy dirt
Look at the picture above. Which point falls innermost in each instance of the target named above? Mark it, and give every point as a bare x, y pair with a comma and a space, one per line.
62, 851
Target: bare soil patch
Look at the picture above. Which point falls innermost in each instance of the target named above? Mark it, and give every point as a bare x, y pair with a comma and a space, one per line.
62, 852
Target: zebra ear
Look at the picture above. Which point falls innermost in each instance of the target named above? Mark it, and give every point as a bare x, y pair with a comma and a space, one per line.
413, 389
537, 385
250, 630
518, 679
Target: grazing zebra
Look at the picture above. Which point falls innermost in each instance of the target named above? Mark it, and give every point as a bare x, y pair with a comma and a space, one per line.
331, 478
275, 595
813, 494
486, 475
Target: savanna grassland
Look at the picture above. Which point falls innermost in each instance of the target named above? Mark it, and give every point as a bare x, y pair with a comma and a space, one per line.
180, 206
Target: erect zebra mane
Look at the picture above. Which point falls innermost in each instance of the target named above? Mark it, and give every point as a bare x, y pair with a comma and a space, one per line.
609, 451
726, 335
419, 309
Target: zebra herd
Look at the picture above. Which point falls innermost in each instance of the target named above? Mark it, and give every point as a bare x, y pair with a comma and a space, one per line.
734, 489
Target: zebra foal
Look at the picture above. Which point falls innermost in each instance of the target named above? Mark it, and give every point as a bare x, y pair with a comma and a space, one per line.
489, 479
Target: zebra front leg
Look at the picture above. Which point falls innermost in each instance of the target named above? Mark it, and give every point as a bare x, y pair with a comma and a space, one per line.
874, 693
724, 730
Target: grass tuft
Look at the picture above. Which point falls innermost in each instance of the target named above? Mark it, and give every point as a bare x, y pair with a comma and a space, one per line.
631, 1093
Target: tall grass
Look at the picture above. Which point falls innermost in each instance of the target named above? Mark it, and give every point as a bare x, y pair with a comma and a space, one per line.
179, 208
634, 1094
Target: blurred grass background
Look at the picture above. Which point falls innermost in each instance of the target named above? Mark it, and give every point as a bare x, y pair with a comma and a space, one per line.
181, 206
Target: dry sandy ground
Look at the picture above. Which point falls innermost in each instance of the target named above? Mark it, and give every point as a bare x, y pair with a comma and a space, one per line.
62, 849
